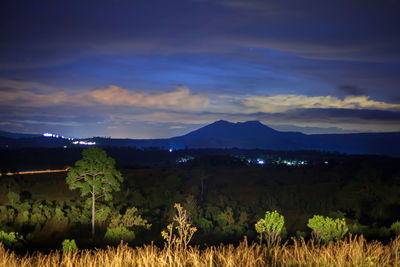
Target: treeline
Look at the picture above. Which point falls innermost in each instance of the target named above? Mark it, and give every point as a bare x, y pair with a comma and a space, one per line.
27, 159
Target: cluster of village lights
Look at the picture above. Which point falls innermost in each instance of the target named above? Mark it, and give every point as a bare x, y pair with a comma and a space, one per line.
77, 142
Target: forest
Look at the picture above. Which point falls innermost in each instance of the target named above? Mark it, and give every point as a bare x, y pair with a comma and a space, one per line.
223, 194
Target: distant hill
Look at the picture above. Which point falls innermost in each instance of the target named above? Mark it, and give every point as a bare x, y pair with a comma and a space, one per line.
245, 135
249, 135
17, 135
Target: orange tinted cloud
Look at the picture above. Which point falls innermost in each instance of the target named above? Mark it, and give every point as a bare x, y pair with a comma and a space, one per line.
179, 99
285, 102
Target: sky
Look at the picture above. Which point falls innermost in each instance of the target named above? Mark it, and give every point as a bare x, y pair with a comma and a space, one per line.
157, 69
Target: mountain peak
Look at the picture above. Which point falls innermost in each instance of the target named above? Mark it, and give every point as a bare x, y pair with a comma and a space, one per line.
246, 123
241, 130
220, 122
254, 123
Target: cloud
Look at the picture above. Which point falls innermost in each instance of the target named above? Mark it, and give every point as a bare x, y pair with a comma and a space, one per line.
178, 99
351, 90
353, 120
13, 85
250, 4
113, 109
285, 102
57, 123
348, 120
331, 29
10, 124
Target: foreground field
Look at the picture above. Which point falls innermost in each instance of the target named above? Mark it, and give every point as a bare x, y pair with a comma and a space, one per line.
354, 251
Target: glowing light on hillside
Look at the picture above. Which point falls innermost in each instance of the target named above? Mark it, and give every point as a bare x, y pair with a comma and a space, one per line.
84, 143
57, 136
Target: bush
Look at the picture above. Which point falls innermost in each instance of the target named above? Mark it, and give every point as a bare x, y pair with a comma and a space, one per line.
69, 246
358, 229
271, 226
122, 227
326, 229
182, 224
395, 228
13, 198
116, 234
300, 234
205, 225
11, 240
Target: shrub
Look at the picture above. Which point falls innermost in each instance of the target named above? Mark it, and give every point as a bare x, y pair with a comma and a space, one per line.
181, 223
116, 234
300, 234
11, 240
271, 226
69, 245
358, 229
122, 227
326, 229
383, 232
205, 225
13, 198
395, 228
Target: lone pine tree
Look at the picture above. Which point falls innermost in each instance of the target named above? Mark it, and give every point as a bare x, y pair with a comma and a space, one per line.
95, 175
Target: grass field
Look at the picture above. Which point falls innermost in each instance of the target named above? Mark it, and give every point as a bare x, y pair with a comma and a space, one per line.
354, 251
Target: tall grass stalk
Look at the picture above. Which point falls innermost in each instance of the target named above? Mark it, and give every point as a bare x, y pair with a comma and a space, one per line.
353, 251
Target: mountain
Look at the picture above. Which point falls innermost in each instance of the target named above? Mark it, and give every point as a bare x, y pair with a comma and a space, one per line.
253, 135
248, 135
244, 135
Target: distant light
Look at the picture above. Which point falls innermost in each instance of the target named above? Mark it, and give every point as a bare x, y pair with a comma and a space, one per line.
326, 163
170, 150
84, 143
260, 161
47, 135
65, 146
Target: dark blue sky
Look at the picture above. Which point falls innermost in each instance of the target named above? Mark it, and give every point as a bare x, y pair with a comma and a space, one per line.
145, 69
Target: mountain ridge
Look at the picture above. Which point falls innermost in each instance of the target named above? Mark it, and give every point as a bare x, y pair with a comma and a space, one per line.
246, 135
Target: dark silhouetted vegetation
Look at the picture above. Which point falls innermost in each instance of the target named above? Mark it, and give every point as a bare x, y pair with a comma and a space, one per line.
222, 197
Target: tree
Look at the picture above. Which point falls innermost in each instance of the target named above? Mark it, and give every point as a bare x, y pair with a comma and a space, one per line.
327, 229
96, 176
271, 226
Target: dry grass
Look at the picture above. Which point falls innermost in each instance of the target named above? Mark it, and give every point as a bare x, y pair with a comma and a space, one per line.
354, 251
